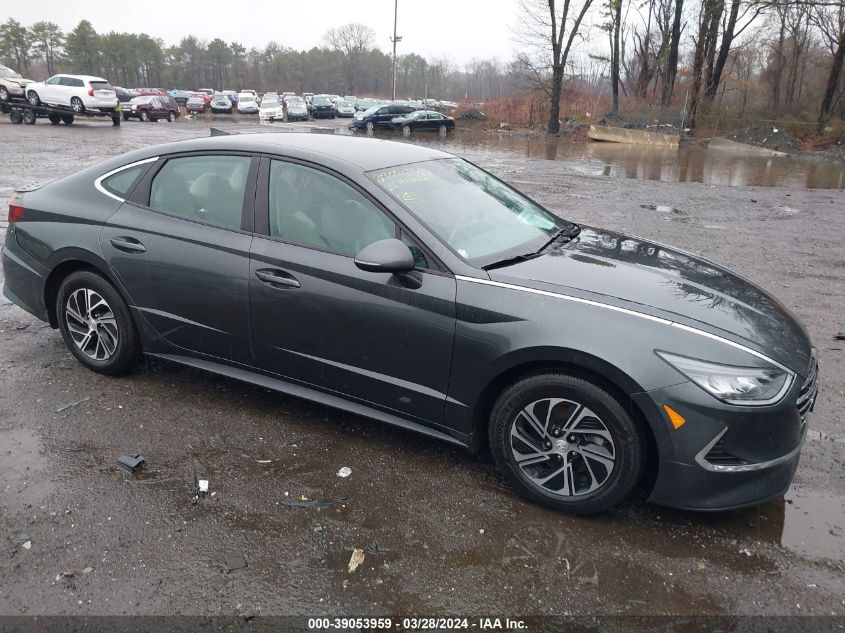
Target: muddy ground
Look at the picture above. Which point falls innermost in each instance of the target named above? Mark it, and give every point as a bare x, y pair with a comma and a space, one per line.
441, 532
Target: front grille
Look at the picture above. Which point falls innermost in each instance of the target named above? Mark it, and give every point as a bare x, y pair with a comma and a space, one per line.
719, 456
809, 390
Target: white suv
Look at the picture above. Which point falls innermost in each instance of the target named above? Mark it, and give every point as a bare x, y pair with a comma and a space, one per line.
80, 92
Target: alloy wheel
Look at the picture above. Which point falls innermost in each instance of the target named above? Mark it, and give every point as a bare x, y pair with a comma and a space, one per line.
76, 105
92, 324
562, 447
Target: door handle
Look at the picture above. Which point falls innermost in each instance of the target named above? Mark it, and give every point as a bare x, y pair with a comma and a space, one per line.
277, 278
128, 245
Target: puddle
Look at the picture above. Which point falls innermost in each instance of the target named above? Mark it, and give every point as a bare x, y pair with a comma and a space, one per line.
693, 163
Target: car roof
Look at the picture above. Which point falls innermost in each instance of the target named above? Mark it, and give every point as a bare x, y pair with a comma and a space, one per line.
365, 153
84, 77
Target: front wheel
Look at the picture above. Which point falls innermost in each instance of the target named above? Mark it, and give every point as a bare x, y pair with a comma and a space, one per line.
77, 106
171, 117
96, 324
55, 119
4, 94
29, 117
370, 126
443, 129
33, 98
406, 131
67, 118
566, 443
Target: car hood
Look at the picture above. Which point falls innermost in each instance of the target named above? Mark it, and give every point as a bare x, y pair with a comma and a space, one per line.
654, 279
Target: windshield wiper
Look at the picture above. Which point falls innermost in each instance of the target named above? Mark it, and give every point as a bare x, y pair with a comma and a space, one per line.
568, 233
510, 260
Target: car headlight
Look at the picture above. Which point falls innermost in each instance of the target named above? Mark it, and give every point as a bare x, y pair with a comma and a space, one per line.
749, 386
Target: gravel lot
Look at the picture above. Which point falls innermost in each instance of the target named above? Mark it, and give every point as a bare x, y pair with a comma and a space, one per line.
441, 532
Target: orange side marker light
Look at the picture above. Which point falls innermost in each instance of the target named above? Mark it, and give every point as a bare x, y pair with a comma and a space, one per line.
675, 418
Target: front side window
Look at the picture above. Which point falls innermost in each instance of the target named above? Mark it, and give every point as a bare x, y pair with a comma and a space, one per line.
479, 217
202, 188
312, 208
53, 81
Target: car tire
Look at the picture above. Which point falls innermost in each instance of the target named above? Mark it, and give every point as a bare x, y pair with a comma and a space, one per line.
68, 119
171, 117
16, 117
590, 440
443, 130
4, 94
112, 345
33, 98
55, 119
76, 105
145, 117
29, 117
406, 131
370, 126
125, 117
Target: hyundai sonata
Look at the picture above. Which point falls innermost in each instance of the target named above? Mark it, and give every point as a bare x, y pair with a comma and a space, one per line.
408, 285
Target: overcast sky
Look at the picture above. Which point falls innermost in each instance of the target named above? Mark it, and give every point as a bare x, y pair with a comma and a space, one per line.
456, 29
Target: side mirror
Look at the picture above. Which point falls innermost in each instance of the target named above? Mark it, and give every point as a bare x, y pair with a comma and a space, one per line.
385, 256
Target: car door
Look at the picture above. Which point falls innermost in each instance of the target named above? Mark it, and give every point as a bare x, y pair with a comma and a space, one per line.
180, 245
318, 319
67, 89
51, 89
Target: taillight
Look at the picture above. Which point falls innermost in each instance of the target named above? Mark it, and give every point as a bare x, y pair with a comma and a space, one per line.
15, 210
91, 91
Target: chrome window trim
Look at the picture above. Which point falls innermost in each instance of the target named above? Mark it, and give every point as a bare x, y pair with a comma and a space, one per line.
98, 183
648, 317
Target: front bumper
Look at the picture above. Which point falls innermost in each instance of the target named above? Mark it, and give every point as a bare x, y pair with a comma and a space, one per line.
724, 456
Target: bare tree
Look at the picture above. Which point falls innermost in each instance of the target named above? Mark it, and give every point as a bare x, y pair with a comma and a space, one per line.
352, 41
672, 60
830, 20
547, 29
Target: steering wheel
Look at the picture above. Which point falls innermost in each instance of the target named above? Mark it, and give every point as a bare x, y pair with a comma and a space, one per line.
464, 228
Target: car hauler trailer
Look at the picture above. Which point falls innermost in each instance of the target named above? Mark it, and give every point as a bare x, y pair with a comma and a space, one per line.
22, 112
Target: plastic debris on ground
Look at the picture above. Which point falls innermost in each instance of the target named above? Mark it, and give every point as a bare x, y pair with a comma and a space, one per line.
131, 463
344, 472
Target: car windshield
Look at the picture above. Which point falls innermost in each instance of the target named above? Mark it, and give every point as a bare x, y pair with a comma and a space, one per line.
246, 97
344, 104
476, 215
8, 72
321, 101
372, 110
269, 103
296, 102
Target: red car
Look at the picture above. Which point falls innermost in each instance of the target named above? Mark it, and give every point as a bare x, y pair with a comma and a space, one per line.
151, 108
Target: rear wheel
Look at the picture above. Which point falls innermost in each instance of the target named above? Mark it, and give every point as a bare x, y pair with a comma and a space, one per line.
145, 117
96, 324
55, 119
67, 118
566, 443
15, 116
29, 117
76, 105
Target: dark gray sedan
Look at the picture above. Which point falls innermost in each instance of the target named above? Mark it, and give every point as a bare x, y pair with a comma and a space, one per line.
412, 287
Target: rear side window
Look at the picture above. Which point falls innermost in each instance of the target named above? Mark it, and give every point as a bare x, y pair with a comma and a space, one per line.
121, 183
202, 188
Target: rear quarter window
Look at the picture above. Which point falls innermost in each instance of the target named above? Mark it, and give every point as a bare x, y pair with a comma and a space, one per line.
121, 183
